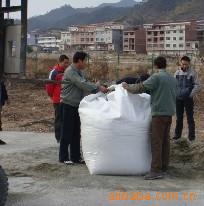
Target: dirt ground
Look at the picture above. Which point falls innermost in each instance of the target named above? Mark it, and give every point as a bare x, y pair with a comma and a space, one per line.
30, 109
37, 179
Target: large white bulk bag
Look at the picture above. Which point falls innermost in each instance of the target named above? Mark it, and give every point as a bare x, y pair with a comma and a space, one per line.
115, 132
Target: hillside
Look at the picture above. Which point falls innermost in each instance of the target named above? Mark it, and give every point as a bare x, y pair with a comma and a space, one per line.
165, 10
147, 12
66, 15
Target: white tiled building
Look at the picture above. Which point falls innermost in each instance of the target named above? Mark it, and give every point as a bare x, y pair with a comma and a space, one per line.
48, 42
109, 39
176, 38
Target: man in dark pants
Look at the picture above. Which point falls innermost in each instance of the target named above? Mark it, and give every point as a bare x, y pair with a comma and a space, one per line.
3, 99
163, 88
54, 90
72, 93
188, 86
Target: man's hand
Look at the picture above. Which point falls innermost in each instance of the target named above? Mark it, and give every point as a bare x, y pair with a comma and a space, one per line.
124, 85
103, 89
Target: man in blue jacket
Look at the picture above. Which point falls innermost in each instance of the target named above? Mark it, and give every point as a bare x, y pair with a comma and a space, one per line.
188, 86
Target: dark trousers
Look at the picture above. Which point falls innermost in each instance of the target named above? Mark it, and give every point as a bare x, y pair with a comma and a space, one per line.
188, 105
57, 123
70, 134
0, 118
160, 142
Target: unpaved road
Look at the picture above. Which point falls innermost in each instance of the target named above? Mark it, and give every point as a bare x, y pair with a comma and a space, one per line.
37, 179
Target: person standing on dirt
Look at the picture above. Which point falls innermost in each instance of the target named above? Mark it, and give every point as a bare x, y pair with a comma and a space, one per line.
188, 86
71, 95
54, 89
163, 89
3, 100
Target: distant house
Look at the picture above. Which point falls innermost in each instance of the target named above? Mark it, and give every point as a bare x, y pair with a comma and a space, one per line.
32, 38
200, 35
134, 40
172, 38
49, 43
103, 36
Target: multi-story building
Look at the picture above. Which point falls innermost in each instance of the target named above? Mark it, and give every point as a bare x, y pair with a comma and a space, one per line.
32, 38
66, 41
103, 36
108, 39
81, 37
200, 35
176, 38
134, 40
49, 42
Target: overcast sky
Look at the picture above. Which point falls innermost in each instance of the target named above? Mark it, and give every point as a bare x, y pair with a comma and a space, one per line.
37, 7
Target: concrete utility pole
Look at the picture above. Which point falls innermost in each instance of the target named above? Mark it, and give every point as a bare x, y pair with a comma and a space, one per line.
7, 9
1, 40
24, 7
8, 4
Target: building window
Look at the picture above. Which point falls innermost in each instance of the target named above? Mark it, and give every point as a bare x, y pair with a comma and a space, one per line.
180, 38
92, 39
168, 45
181, 31
82, 39
132, 40
168, 38
174, 38
155, 33
174, 45
168, 32
149, 39
174, 31
155, 39
131, 33
188, 44
126, 40
125, 33
149, 32
161, 32
181, 45
161, 38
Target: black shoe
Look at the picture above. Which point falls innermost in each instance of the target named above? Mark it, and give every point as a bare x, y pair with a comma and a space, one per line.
164, 171
176, 138
191, 139
80, 161
153, 176
2, 142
